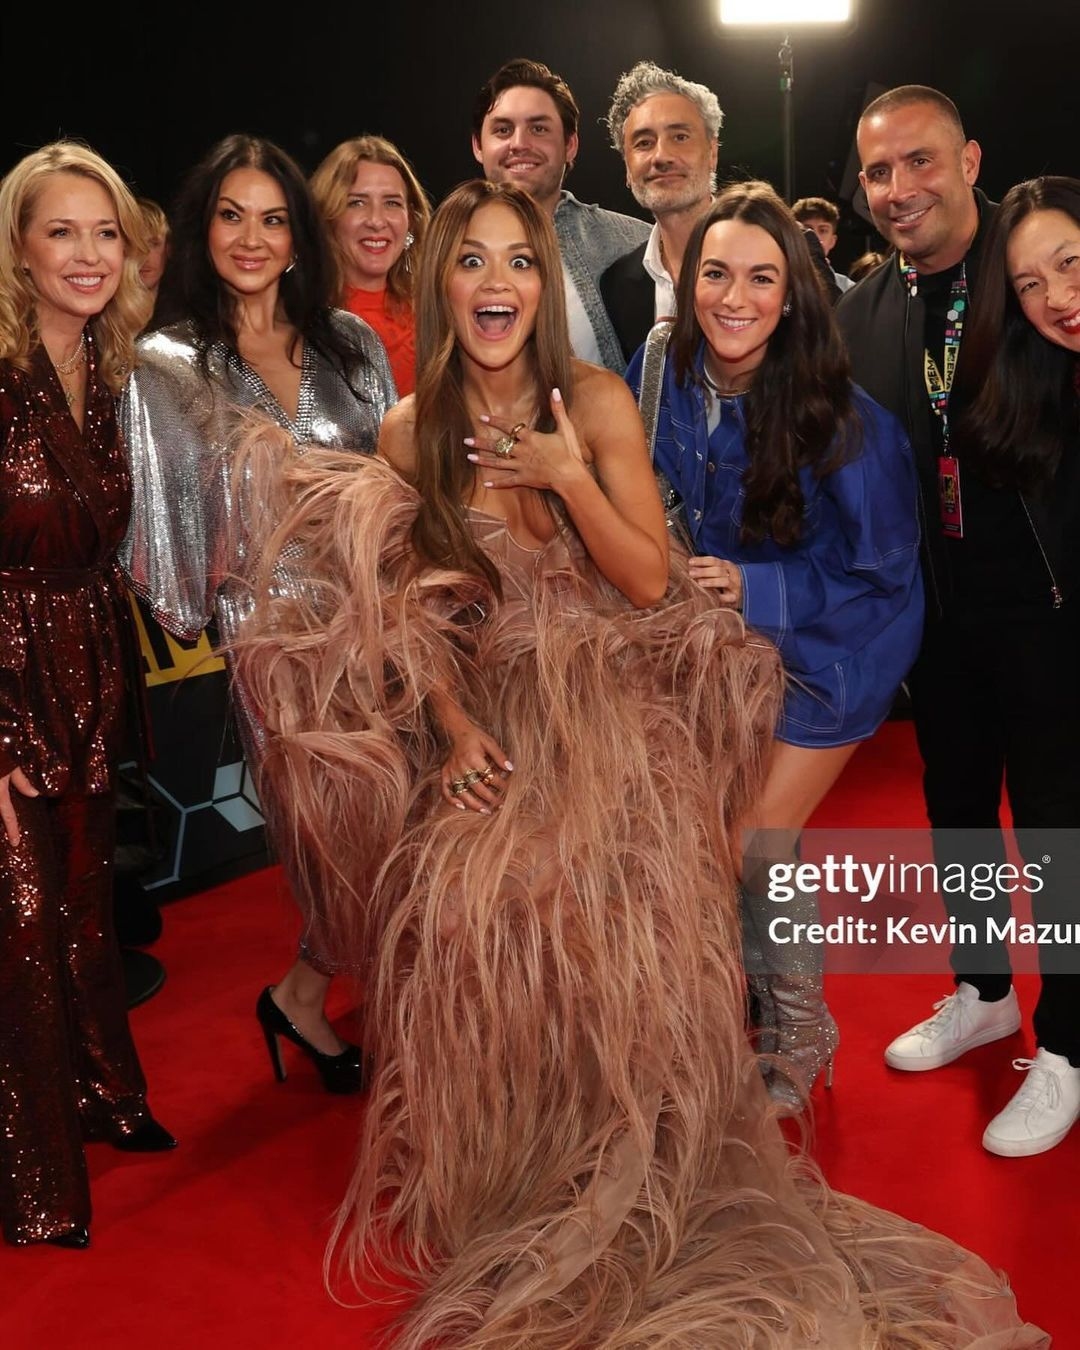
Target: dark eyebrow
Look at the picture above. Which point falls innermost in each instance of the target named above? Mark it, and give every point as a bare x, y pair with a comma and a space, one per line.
500, 119
666, 126
267, 211
478, 243
754, 267
1065, 243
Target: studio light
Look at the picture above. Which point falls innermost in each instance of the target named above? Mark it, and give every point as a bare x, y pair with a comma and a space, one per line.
785, 12
783, 16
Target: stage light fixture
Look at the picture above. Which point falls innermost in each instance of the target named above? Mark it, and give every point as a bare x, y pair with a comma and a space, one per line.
786, 12
785, 15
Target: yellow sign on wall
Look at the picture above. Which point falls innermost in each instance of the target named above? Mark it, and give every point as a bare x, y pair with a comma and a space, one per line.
167, 658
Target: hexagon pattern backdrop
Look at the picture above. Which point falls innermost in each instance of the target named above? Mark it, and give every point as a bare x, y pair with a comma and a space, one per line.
207, 811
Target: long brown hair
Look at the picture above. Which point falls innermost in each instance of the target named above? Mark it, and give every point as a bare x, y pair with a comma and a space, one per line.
444, 477
330, 186
799, 409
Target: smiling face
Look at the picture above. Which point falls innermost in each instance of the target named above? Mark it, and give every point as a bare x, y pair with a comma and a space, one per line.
824, 229
371, 231
739, 294
494, 288
1043, 258
670, 158
250, 241
73, 250
522, 141
918, 172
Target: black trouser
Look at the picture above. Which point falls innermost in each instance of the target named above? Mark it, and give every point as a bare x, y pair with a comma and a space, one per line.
996, 698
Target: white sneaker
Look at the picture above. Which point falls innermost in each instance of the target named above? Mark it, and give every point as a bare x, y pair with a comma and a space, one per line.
1041, 1113
961, 1021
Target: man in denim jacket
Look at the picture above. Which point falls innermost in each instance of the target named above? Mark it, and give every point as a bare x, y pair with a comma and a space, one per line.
525, 131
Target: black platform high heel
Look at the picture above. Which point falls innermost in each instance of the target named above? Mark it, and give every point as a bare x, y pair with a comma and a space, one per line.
346, 1072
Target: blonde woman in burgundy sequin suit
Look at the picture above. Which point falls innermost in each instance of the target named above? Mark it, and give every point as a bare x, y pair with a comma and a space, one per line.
248, 290
522, 774
71, 302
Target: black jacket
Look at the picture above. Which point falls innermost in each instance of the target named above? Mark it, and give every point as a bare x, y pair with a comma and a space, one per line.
883, 326
629, 296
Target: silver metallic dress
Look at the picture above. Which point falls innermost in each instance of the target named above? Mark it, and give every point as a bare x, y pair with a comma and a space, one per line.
185, 546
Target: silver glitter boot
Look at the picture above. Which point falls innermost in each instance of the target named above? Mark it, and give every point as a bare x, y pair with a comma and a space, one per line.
797, 1036
807, 1040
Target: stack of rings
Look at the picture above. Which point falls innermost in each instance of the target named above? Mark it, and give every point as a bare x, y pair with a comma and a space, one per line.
465, 782
504, 446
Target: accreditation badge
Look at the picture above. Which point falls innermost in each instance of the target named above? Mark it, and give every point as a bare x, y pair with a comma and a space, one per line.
952, 515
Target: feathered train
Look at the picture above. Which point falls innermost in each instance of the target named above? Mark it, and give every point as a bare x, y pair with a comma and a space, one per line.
568, 1143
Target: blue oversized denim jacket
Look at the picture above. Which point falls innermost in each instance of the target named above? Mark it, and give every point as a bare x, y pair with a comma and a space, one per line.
845, 604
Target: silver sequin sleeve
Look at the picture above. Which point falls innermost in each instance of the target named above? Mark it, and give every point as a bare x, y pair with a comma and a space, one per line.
177, 421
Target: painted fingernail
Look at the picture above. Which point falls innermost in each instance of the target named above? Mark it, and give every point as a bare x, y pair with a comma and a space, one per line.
470, 440
473, 459
484, 811
556, 396
484, 417
509, 766
460, 806
489, 484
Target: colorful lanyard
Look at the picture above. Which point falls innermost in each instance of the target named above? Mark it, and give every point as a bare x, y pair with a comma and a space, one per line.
939, 384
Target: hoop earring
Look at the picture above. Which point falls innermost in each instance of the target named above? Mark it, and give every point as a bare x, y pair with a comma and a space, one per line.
290, 267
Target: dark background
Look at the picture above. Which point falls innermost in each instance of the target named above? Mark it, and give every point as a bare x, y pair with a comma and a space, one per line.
152, 94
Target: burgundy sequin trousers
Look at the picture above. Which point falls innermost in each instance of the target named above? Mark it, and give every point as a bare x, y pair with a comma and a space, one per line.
68, 1067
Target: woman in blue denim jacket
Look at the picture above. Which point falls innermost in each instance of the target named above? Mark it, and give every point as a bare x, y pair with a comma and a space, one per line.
799, 495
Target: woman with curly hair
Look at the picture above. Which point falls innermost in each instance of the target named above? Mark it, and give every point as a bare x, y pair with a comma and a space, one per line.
71, 304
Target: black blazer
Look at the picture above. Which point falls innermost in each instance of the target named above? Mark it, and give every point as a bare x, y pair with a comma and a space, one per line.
629, 296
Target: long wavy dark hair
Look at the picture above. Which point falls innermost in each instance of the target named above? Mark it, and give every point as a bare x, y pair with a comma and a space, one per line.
444, 477
1016, 386
799, 408
191, 288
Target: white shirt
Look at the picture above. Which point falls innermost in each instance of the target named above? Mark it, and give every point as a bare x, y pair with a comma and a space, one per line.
582, 335
665, 287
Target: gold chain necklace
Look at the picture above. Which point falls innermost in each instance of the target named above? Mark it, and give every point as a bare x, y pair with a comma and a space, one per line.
69, 367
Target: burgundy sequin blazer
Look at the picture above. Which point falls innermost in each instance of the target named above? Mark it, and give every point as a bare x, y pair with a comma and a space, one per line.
65, 496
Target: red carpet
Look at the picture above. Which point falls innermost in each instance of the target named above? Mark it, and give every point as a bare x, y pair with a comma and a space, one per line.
220, 1244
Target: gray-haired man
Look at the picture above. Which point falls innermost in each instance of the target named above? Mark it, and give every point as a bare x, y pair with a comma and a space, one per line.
667, 130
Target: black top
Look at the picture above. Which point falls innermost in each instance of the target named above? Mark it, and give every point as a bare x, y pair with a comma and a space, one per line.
997, 563
629, 296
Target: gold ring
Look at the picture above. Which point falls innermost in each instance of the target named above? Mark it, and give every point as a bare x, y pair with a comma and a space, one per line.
472, 776
458, 786
487, 775
515, 432
504, 447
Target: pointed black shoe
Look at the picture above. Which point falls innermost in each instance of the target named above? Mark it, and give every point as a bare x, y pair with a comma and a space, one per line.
149, 1137
76, 1237
342, 1073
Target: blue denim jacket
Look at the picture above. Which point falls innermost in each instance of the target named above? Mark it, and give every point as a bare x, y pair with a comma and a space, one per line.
845, 604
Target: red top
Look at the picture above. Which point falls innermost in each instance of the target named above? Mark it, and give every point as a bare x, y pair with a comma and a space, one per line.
397, 328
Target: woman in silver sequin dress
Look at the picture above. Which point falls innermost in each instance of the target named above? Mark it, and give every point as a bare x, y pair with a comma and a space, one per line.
249, 281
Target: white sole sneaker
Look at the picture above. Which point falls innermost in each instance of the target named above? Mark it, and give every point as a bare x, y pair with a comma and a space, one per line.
1025, 1148
1041, 1112
940, 1039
